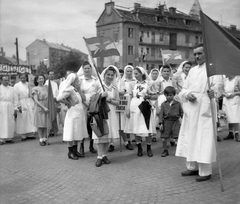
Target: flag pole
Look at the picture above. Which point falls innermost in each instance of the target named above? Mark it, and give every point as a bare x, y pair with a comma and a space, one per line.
212, 106
95, 67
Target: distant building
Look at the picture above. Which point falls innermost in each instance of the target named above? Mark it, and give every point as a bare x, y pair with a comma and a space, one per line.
9, 60
141, 34
51, 54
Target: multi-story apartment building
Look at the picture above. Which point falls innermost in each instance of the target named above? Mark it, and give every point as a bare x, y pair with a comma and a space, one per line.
141, 34
51, 54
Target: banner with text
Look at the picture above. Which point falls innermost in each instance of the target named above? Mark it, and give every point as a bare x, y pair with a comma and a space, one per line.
11, 69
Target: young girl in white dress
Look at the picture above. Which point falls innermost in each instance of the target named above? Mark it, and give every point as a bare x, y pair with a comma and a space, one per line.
231, 106
136, 123
112, 98
75, 126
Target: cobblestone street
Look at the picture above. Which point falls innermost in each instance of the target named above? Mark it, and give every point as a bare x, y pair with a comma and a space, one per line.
34, 174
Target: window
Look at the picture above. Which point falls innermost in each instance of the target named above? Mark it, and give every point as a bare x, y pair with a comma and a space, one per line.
196, 40
152, 66
187, 54
147, 66
147, 50
161, 37
130, 32
187, 22
141, 50
152, 51
148, 34
130, 64
187, 39
159, 19
200, 39
130, 50
115, 37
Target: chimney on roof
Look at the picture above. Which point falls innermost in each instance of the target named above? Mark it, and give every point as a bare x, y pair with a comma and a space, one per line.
2, 53
161, 8
136, 6
233, 27
109, 6
172, 10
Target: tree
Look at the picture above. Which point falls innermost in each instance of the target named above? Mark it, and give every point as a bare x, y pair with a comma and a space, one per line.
72, 62
42, 68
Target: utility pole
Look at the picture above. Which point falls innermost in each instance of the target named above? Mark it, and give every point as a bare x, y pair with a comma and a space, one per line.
16, 43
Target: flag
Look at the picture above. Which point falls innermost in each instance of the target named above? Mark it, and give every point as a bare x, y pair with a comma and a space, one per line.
171, 57
222, 50
101, 47
52, 115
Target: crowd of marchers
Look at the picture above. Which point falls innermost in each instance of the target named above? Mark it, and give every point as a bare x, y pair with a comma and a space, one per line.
175, 106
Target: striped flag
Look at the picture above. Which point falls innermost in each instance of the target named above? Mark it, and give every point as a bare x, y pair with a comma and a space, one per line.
101, 47
171, 57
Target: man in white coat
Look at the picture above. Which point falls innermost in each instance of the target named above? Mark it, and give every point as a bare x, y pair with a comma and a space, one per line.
196, 139
8, 109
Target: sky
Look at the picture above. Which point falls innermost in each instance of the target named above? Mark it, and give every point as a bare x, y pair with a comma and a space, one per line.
68, 21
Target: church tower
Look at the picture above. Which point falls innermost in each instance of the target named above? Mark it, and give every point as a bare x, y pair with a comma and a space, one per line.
196, 8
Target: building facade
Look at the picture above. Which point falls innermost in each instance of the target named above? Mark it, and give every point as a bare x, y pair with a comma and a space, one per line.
141, 34
51, 54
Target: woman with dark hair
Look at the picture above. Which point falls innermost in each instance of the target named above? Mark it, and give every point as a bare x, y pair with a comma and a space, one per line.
112, 97
25, 115
89, 85
139, 112
40, 97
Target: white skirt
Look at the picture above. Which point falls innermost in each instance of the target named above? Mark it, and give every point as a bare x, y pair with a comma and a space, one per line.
75, 125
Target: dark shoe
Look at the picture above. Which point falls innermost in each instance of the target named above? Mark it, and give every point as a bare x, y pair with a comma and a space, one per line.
164, 153
105, 160
76, 152
219, 139
237, 137
189, 173
203, 178
149, 151
24, 139
81, 150
229, 137
172, 143
140, 150
111, 148
91, 148
71, 154
42, 143
154, 139
9, 141
2, 143
98, 163
129, 146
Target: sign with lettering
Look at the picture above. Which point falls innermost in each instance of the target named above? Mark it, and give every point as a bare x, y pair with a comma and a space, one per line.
122, 105
11, 69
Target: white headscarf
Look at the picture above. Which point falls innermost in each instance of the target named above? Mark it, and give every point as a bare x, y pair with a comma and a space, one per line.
180, 68
144, 72
66, 84
150, 74
125, 70
117, 76
81, 72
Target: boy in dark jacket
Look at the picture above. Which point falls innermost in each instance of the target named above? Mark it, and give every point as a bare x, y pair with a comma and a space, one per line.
170, 113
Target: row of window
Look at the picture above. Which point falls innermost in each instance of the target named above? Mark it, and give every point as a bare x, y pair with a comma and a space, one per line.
153, 51
161, 36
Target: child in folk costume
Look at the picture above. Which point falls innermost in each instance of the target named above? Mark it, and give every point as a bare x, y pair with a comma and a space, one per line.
154, 76
231, 106
25, 116
126, 85
109, 76
140, 114
75, 126
170, 113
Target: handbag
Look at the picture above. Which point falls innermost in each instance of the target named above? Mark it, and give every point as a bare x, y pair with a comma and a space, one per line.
96, 129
